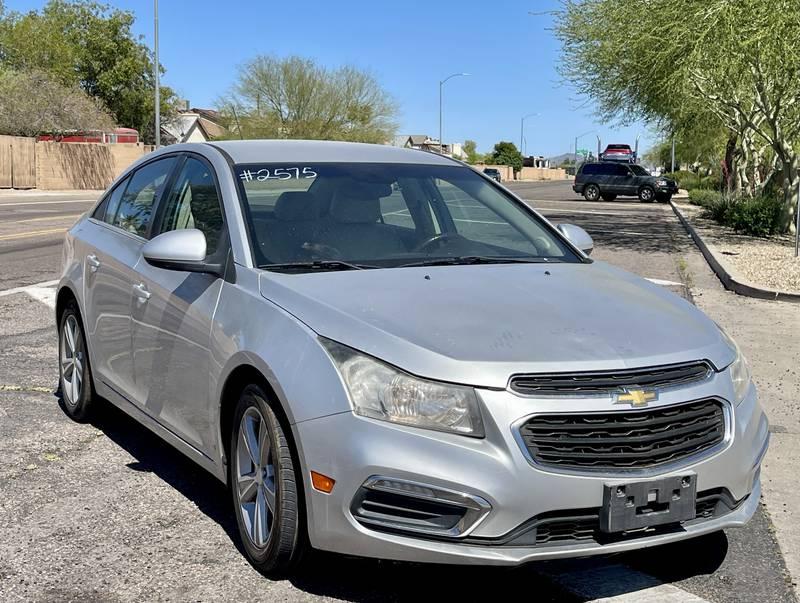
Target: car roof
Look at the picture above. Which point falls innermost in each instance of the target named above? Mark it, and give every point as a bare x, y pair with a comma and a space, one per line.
323, 151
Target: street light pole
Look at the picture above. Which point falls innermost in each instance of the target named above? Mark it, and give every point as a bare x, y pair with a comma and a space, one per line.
441, 85
576, 147
522, 128
673, 154
157, 77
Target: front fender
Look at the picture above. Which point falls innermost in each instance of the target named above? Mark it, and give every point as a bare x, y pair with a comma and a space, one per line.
252, 331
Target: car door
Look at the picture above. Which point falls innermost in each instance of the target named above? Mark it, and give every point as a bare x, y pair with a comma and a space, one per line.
626, 181
605, 176
118, 230
172, 312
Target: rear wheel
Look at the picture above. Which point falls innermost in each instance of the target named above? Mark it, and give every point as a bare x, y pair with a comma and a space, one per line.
647, 194
75, 377
609, 197
591, 192
263, 483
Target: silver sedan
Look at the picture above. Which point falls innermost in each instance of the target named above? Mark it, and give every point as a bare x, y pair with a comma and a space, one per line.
385, 353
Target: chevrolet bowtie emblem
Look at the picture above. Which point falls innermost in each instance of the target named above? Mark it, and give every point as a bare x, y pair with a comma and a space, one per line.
636, 397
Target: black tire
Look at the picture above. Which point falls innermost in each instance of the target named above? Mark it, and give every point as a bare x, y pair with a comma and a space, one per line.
591, 192
609, 197
285, 542
664, 198
73, 361
647, 194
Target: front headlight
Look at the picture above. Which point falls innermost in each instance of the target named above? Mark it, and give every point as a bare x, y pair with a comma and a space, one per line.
739, 370
380, 391
661, 183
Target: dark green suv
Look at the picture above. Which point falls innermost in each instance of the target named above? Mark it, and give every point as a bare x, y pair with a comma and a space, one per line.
607, 180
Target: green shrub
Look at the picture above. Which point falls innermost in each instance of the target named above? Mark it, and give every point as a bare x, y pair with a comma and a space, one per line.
708, 183
759, 216
719, 209
703, 198
693, 181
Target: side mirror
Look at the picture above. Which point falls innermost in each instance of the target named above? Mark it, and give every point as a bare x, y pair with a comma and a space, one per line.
578, 237
183, 250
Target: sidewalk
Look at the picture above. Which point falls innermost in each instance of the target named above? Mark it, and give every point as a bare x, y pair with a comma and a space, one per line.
769, 334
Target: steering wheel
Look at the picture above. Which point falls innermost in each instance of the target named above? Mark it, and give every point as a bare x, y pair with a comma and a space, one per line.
436, 240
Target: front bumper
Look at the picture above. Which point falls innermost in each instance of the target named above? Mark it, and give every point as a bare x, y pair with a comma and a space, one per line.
353, 449
669, 189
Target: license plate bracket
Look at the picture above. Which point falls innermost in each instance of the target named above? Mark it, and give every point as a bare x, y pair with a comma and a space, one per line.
637, 505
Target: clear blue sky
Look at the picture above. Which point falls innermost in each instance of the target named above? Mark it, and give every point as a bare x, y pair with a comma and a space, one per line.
409, 46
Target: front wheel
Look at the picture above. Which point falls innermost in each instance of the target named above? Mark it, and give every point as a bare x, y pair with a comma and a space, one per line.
666, 198
646, 194
75, 376
591, 192
263, 483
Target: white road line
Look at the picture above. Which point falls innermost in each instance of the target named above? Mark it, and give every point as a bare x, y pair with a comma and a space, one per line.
45, 202
620, 584
479, 221
46, 295
663, 283
15, 290
623, 232
563, 210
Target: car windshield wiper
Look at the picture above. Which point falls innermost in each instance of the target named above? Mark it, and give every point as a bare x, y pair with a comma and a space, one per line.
473, 259
317, 265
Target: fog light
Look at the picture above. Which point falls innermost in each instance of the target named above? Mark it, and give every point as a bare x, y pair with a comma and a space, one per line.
323, 483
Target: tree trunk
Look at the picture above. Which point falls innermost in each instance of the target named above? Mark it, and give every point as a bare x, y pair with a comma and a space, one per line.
728, 168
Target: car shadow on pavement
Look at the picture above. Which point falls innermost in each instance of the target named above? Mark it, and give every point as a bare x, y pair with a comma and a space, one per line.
358, 579
154, 455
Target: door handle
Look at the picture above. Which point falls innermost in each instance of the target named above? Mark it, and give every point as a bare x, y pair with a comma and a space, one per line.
141, 292
93, 262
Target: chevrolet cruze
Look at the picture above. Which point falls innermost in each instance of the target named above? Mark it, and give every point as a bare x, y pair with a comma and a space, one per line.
384, 353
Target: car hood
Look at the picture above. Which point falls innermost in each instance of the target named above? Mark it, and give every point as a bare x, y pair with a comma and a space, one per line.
480, 324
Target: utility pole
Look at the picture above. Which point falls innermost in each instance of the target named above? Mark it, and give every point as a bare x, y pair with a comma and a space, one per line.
157, 77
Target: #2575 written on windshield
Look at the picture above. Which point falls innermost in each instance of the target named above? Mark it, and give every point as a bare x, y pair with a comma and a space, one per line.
286, 173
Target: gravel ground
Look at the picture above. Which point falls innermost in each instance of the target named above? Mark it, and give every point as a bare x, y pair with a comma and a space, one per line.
766, 263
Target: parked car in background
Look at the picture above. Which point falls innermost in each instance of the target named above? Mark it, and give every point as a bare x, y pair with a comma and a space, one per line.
429, 372
493, 173
607, 179
618, 152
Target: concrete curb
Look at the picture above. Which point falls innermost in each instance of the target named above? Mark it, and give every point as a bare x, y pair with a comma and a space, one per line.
727, 274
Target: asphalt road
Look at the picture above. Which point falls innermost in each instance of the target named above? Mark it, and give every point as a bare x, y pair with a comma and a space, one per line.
107, 512
32, 227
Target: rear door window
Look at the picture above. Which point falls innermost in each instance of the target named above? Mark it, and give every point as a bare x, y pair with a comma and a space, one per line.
136, 205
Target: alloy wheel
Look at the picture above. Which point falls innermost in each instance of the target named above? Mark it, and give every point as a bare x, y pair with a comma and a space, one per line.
72, 360
255, 477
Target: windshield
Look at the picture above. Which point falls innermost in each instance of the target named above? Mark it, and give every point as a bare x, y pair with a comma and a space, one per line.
339, 215
639, 170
